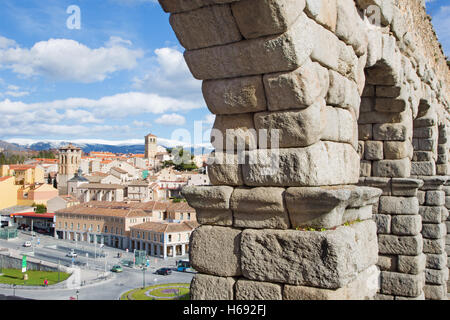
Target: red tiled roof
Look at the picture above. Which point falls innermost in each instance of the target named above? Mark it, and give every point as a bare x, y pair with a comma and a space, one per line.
5, 178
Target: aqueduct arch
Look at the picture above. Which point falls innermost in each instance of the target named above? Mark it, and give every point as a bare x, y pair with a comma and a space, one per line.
352, 204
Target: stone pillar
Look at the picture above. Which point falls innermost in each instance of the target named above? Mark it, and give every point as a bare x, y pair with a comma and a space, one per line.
434, 215
447, 223
400, 243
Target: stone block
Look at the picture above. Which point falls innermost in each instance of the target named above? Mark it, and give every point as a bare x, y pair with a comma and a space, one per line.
434, 246
367, 104
216, 250
436, 276
421, 197
234, 132
424, 132
350, 26
343, 92
431, 214
410, 225
328, 207
435, 198
218, 217
388, 91
423, 168
365, 132
436, 261
175, 6
224, 169
365, 169
434, 231
392, 168
339, 125
412, 264
295, 256
373, 150
285, 52
422, 156
398, 205
323, 163
205, 27
256, 290
208, 197
323, 12
363, 287
390, 132
207, 287
235, 96
435, 292
387, 263
299, 128
382, 297
378, 182
442, 169
259, 208
390, 105
405, 187
297, 89
400, 245
383, 222
421, 297
369, 91
257, 18
400, 284
397, 149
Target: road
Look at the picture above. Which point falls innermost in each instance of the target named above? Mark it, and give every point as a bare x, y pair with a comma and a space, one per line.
54, 250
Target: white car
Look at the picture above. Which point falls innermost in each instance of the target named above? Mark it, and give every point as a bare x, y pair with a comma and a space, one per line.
27, 244
71, 254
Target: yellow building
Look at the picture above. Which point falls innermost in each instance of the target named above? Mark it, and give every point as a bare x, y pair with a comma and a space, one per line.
36, 194
24, 174
8, 192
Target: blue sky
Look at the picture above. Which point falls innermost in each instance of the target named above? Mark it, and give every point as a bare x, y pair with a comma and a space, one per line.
118, 78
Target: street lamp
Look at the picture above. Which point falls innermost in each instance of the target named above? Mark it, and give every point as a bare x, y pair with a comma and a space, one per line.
78, 291
144, 268
14, 290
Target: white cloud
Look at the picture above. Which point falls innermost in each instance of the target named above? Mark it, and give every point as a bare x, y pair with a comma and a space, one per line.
171, 119
69, 60
170, 76
6, 43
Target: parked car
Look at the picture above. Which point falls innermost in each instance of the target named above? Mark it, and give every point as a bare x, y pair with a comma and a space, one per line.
117, 268
164, 271
27, 244
72, 254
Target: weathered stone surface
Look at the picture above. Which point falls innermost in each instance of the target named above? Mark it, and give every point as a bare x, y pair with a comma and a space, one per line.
421, 297
392, 168
224, 169
216, 250
422, 156
259, 208
424, 132
285, 52
411, 264
431, 214
257, 18
435, 198
401, 284
436, 261
235, 96
343, 92
256, 290
237, 132
207, 287
383, 297
383, 222
297, 89
401, 245
323, 12
434, 231
388, 91
205, 27
410, 225
373, 150
397, 149
294, 257
436, 276
405, 187
328, 207
363, 287
323, 163
365, 169
208, 197
390, 132
298, 128
377, 182
350, 26
365, 132
387, 263
435, 292
183, 5
339, 125
398, 205
218, 217
390, 105
434, 246
423, 168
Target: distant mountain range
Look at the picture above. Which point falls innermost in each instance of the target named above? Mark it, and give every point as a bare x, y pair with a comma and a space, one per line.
86, 147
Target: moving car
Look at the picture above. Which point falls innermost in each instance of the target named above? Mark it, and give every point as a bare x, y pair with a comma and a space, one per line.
27, 244
72, 254
164, 271
116, 268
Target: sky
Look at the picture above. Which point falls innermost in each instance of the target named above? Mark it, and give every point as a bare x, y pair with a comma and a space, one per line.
116, 78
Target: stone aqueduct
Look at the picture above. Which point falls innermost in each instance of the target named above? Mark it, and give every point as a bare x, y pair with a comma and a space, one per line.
358, 91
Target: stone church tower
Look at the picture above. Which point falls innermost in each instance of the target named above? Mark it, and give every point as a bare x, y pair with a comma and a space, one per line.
69, 163
151, 147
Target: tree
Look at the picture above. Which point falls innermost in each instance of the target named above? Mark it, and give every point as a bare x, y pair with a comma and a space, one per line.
40, 208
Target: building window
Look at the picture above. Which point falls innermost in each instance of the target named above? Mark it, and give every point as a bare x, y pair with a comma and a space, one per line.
189, 216
149, 236
106, 229
181, 216
84, 227
138, 235
169, 238
65, 225
60, 225
179, 237
71, 226
98, 228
